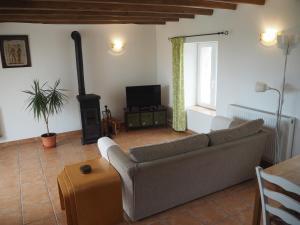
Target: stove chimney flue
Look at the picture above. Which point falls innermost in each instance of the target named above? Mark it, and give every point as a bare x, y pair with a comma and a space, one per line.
79, 63
89, 103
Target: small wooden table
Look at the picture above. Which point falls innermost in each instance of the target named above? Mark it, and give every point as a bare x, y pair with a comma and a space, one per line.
91, 199
289, 170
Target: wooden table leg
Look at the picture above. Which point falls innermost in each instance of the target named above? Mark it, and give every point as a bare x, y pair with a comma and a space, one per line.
257, 207
61, 197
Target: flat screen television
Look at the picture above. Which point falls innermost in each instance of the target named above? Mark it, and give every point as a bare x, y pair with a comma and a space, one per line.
143, 96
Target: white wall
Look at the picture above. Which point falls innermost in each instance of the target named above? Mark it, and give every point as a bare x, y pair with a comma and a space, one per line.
242, 59
53, 57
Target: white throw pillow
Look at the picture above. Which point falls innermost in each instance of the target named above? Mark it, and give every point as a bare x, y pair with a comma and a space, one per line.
220, 123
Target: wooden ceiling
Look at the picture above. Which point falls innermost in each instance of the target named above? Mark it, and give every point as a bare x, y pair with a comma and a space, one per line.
111, 11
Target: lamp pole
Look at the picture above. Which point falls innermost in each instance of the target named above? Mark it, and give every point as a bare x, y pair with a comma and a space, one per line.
281, 101
277, 154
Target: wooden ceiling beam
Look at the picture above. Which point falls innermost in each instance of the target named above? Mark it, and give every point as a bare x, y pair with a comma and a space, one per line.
55, 21
186, 3
21, 18
79, 6
89, 13
255, 2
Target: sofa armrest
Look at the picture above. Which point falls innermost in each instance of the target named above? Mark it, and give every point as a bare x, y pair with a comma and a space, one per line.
127, 170
121, 161
104, 144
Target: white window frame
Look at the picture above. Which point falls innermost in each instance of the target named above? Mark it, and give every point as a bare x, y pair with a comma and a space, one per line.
214, 45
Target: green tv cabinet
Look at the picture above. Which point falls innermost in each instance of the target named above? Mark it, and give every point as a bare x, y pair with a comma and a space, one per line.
136, 118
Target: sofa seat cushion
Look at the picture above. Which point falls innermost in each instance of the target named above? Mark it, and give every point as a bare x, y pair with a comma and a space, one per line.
158, 151
243, 130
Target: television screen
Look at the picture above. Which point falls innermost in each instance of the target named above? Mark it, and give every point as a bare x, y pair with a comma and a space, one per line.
142, 96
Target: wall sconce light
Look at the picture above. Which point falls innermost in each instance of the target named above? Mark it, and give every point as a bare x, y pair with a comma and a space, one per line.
269, 37
117, 46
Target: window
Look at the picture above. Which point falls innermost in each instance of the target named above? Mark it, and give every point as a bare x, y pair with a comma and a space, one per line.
200, 71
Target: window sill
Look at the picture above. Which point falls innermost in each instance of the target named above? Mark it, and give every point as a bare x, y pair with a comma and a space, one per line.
203, 110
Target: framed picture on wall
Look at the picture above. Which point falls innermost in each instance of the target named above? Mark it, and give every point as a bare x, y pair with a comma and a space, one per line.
14, 51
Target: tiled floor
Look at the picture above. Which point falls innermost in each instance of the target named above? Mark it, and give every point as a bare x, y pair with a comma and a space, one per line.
29, 195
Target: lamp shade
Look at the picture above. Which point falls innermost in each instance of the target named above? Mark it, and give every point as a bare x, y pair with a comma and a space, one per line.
294, 40
261, 87
285, 41
282, 41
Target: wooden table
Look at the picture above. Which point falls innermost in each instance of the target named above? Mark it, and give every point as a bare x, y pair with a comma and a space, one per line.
91, 199
289, 170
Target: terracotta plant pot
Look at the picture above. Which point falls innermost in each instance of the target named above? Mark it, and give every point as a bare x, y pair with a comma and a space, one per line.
49, 141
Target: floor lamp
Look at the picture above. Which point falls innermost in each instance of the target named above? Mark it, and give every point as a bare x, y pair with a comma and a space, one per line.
286, 43
263, 87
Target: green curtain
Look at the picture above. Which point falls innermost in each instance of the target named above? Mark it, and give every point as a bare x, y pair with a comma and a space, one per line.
179, 114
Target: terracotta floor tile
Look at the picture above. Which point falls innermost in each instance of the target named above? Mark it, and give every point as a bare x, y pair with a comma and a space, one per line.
9, 193
39, 167
36, 212
29, 164
178, 209
52, 180
53, 172
9, 173
88, 154
9, 182
247, 196
56, 205
183, 218
49, 155
35, 187
231, 205
207, 212
8, 166
45, 221
35, 197
246, 216
229, 221
7, 149
149, 222
28, 156
10, 203
62, 219
51, 163
11, 218
31, 176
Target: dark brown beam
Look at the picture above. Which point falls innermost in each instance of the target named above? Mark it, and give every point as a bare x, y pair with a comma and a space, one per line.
97, 7
89, 13
186, 3
255, 2
87, 21
21, 18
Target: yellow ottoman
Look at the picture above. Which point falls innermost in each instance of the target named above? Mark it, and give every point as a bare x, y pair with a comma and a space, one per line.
91, 199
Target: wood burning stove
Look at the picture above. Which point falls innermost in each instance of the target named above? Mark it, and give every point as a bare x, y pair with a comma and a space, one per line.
89, 103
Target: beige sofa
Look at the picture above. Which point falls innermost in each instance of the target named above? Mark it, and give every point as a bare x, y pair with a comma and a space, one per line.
159, 177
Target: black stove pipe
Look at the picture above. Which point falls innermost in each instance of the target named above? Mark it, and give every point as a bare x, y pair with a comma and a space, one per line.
79, 64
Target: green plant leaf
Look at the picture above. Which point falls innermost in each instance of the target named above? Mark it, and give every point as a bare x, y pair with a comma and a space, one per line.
45, 101
56, 98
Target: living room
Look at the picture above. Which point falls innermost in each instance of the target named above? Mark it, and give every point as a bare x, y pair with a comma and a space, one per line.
249, 65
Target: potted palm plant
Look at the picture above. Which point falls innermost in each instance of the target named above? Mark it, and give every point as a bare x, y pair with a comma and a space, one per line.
45, 101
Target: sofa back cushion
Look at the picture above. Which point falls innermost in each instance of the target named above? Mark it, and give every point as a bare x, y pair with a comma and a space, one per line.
244, 130
158, 151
